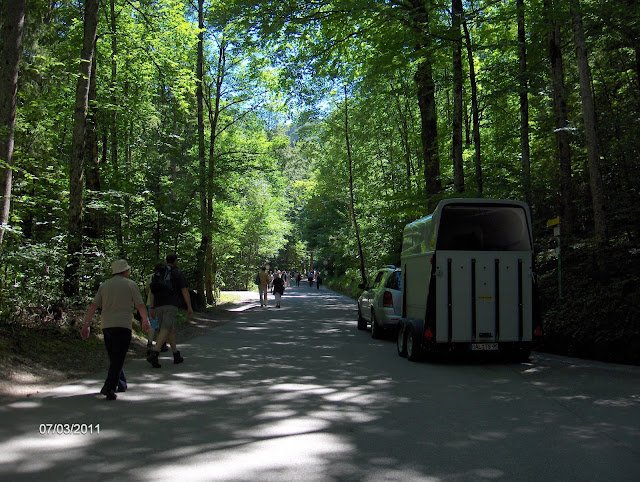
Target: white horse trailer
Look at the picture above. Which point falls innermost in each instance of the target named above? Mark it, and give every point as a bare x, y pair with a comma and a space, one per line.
467, 272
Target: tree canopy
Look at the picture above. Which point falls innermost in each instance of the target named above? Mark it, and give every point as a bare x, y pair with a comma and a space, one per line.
301, 134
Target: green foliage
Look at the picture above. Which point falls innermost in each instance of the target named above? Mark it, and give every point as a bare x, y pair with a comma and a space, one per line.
276, 187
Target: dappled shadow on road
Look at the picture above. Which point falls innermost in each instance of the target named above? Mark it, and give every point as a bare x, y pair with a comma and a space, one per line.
298, 393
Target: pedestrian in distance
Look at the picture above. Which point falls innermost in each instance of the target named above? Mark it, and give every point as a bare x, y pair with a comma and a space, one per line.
167, 287
117, 296
263, 285
298, 277
278, 288
318, 280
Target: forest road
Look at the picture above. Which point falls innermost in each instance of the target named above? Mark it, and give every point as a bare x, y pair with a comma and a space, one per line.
298, 393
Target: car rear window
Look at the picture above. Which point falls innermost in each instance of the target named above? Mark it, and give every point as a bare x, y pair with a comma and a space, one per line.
394, 281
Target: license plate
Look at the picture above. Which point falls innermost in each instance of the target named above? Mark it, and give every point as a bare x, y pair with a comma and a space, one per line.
484, 347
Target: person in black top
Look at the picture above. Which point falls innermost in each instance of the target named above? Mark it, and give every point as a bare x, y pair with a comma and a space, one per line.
278, 288
164, 306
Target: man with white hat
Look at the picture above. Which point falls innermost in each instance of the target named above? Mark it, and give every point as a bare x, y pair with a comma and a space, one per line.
117, 296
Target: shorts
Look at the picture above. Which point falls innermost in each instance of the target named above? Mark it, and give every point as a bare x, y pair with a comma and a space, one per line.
166, 316
153, 321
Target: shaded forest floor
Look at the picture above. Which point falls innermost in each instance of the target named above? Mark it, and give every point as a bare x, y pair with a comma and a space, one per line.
598, 316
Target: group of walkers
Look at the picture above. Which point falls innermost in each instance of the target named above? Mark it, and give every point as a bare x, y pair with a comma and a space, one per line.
166, 290
274, 282
277, 281
118, 296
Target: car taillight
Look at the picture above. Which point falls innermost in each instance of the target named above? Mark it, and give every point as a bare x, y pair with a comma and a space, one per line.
387, 299
428, 334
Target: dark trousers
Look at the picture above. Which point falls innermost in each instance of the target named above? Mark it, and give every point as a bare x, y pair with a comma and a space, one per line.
116, 341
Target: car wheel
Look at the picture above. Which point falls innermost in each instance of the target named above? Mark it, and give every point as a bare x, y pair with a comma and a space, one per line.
375, 329
362, 323
401, 344
413, 345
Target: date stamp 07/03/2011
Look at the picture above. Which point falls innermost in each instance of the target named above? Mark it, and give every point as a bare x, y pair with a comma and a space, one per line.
69, 428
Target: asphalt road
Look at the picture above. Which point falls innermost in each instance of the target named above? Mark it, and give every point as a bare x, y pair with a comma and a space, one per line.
298, 393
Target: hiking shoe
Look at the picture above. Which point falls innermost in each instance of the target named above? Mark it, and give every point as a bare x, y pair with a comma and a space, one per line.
153, 359
177, 358
110, 394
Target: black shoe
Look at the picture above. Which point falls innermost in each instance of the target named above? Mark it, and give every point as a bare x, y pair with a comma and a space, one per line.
110, 394
177, 358
121, 388
153, 359
164, 347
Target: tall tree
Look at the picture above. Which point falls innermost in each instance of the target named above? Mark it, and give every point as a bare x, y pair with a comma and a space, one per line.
91, 159
524, 102
74, 243
458, 166
591, 136
554, 41
202, 161
475, 111
419, 20
113, 134
13, 20
352, 204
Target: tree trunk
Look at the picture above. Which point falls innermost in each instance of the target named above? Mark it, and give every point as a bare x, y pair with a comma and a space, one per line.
74, 245
214, 116
202, 174
114, 121
458, 167
591, 136
561, 120
474, 110
524, 103
13, 20
92, 161
426, 91
403, 128
352, 207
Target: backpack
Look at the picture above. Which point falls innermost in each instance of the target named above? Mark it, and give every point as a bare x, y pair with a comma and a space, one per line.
257, 280
161, 282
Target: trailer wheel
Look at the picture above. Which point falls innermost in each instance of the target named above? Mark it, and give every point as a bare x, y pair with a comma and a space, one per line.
401, 344
362, 323
414, 352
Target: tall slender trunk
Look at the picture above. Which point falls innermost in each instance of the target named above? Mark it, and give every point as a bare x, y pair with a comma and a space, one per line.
403, 128
214, 116
352, 207
524, 103
561, 120
114, 119
13, 20
74, 246
458, 166
92, 161
202, 174
591, 136
475, 111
